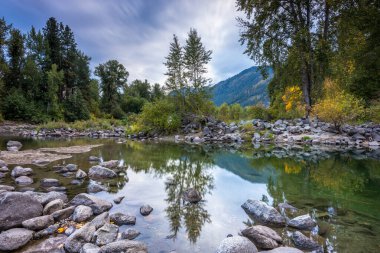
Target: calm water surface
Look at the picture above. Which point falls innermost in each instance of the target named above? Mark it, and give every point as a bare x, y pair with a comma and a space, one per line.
341, 191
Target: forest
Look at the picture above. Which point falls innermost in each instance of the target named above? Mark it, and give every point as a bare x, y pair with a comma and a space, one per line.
324, 56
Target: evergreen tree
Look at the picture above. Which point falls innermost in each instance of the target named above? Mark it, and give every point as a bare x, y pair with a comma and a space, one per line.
52, 39
16, 56
55, 80
75, 107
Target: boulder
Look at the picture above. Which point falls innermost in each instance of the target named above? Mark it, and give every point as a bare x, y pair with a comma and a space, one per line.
50, 245
46, 232
56, 189
38, 223
46, 197
63, 214
49, 182
4, 169
106, 234
146, 210
20, 171
124, 246
16, 207
80, 174
303, 222
236, 244
24, 180
71, 167
99, 172
97, 205
7, 188
283, 250
53, 206
263, 212
82, 213
191, 195
90, 248
14, 145
3, 164
14, 238
94, 159
123, 219
116, 200
263, 237
130, 234
95, 187
303, 242
112, 164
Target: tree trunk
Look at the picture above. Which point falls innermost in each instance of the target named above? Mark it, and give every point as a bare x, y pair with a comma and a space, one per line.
306, 86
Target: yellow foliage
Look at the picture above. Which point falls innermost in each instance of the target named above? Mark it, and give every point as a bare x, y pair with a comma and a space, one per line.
292, 99
61, 230
295, 169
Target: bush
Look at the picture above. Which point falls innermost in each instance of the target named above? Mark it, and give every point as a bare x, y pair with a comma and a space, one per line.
1, 118
373, 112
75, 107
158, 116
258, 112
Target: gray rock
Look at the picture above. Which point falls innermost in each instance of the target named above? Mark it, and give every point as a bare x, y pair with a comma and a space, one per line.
118, 199
38, 223
146, 210
70, 230
14, 145
106, 234
98, 205
3, 164
236, 244
46, 232
303, 222
110, 164
7, 188
17, 207
80, 174
263, 212
95, 187
49, 182
303, 242
94, 159
90, 248
47, 197
50, 245
4, 169
124, 246
82, 213
263, 237
20, 171
99, 172
283, 250
130, 234
76, 182
100, 220
24, 180
123, 219
71, 167
53, 206
63, 214
191, 195
56, 189
14, 238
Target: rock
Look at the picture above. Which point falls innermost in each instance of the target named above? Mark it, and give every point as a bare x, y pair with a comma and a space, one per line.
7, 188
38, 223
110, 164
14, 238
191, 195
20, 171
263, 237
50, 245
53, 206
95, 187
17, 207
106, 234
98, 205
123, 219
303, 222
70, 230
80, 174
14, 145
47, 197
63, 214
287, 206
118, 199
124, 246
3, 164
46, 232
236, 244
49, 182
90, 248
71, 167
263, 212
2, 175
99, 172
303, 242
146, 210
56, 189
94, 159
76, 182
284, 250
130, 234
82, 213
100, 220
24, 180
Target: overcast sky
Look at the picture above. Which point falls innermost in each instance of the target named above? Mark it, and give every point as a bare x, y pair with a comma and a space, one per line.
138, 32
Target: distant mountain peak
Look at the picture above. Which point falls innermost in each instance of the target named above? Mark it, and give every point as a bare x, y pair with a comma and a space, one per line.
246, 88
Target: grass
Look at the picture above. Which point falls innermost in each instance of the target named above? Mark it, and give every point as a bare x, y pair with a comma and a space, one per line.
93, 124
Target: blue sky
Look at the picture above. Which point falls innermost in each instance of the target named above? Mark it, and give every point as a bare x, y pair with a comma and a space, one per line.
138, 32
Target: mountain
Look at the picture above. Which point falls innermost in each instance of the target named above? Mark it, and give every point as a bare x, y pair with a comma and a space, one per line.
246, 88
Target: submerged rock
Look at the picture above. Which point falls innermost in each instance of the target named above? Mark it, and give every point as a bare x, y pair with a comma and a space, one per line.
71, 167
303, 222
106, 234
97, 205
303, 242
124, 246
236, 244
130, 234
95, 187
38, 223
123, 219
99, 172
49, 182
46, 232
14, 238
146, 210
112, 164
263, 237
263, 212
17, 207
191, 195
94, 159
118, 199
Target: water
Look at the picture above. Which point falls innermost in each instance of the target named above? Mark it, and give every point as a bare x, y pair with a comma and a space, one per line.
341, 190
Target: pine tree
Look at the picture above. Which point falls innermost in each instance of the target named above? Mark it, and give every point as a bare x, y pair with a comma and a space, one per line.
16, 55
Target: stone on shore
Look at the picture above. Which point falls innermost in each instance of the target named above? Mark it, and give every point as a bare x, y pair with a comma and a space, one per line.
123, 219
63, 214
303, 222
99, 172
263, 237
263, 212
112, 164
71, 167
53, 206
106, 234
46, 197
94, 159
14, 238
14, 145
94, 187
283, 250
7, 188
38, 223
118, 200
82, 213
124, 246
236, 244
303, 242
146, 210
16, 207
50, 245
90, 248
19, 171
80, 174
130, 234
97, 205
49, 182
24, 180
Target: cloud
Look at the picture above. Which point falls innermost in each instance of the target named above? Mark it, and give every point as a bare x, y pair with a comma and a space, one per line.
138, 33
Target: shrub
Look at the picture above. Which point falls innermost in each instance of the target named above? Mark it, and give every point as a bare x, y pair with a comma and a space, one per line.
75, 107
294, 105
258, 112
373, 112
1, 118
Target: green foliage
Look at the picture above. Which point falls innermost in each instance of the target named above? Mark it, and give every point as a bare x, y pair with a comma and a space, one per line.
81, 125
257, 112
236, 112
54, 81
372, 113
75, 107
